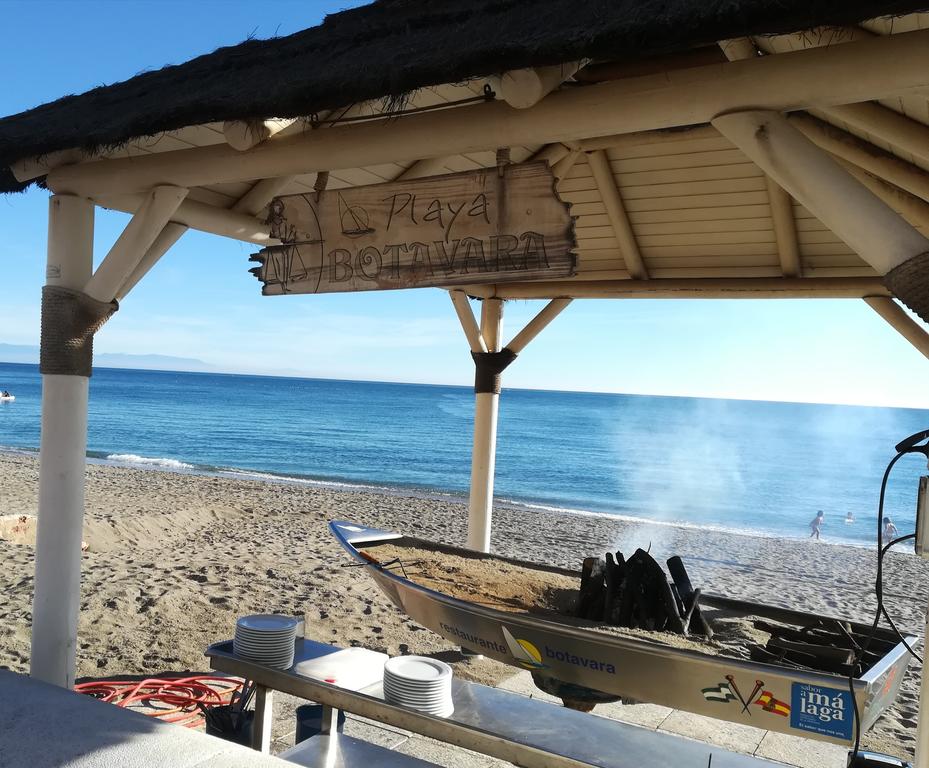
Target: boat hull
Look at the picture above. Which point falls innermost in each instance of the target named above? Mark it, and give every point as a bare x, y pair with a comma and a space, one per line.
815, 705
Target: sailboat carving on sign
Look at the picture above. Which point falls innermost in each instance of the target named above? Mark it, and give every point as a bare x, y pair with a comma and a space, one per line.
354, 218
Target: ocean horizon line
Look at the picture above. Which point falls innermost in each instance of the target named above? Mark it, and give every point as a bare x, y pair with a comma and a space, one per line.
469, 387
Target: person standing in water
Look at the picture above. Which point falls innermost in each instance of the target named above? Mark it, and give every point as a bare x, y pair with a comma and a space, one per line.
816, 524
890, 530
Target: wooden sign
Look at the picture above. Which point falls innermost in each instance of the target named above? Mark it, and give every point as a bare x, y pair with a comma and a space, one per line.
460, 229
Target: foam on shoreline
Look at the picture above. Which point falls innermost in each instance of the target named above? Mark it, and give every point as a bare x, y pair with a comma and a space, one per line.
171, 465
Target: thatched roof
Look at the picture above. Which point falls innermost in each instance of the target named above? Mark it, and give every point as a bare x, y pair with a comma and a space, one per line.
393, 47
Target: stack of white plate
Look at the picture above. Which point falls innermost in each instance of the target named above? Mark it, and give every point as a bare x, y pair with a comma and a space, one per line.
420, 683
266, 639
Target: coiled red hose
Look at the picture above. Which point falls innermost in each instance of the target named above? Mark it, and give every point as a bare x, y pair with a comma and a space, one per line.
183, 699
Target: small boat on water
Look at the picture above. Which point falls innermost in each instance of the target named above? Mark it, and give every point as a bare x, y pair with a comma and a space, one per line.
774, 696
6, 397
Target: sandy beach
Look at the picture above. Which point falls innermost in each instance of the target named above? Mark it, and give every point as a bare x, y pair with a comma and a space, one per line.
173, 559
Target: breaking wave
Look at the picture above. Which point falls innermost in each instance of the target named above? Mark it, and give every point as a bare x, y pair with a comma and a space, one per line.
133, 459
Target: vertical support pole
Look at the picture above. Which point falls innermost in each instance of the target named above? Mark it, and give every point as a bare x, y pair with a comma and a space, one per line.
484, 453
62, 451
922, 724
263, 718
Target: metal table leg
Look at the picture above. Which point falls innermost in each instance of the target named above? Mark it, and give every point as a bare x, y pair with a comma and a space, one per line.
261, 727
329, 723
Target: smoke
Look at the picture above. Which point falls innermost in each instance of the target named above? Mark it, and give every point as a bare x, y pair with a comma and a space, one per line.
687, 469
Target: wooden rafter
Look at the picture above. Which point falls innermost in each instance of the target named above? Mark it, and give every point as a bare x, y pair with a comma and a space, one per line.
785, 228
613, 202
900, 321
864, 154
782, 212
696, 288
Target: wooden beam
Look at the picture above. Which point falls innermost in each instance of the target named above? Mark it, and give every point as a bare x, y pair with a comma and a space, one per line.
538, 323
30, 168
492, 323
900, 321
785, 229
863, 154
739, 48
650, 65
616, 212
620, 141
134, 242
914, 209
782, 214
860, 71
429, 166
263, 192
202, 217
523, 88
565, 164
900, 131
551, 153
468, 323
167, 237
245, 134
695, 288
872, 229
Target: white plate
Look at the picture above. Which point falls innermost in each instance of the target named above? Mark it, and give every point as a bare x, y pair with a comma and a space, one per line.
289, 638
264, 659
285, 643
268, 622
282, 663
419, 685
420, 668
416, 697
434, 711
275, 633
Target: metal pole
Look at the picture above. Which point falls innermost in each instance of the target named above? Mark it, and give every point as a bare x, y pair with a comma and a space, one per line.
484, 454
922, 725
61, 464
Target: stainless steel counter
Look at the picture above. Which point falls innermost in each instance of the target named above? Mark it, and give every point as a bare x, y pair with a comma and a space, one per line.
506, 725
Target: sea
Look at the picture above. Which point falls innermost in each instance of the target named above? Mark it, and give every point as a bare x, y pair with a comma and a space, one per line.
762, 468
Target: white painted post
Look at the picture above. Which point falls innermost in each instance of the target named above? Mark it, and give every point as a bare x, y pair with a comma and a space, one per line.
61, 464
484, 454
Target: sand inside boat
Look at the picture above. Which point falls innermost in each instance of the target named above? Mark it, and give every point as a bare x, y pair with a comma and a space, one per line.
549, 593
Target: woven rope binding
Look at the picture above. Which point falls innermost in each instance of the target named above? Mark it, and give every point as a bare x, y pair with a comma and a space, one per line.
909, 282
487, 369
69, 321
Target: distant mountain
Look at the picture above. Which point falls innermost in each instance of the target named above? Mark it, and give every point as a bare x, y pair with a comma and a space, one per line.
25, 353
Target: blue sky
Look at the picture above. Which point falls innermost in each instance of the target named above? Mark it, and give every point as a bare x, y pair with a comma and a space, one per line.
201, 302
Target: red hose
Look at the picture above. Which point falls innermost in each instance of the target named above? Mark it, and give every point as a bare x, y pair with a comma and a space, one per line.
185, 696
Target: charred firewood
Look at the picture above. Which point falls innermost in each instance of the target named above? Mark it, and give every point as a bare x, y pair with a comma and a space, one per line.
698, 623
590, 599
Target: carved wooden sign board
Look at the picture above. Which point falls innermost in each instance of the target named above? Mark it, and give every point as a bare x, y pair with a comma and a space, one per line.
466, 228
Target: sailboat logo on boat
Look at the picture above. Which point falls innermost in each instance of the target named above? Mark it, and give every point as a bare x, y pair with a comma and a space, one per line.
523, 651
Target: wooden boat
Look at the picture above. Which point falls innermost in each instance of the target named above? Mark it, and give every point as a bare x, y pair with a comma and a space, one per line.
766, 695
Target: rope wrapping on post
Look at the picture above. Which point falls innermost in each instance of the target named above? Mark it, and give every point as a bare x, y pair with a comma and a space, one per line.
70, 319
487, 369
909, 282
